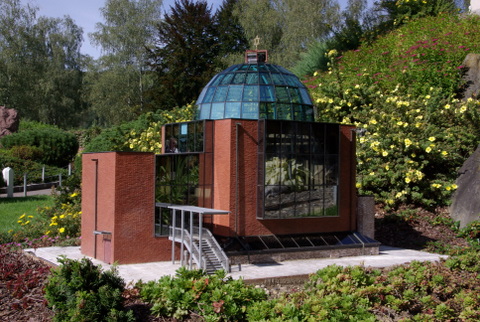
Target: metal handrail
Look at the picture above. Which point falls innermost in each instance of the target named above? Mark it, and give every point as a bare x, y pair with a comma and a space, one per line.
215, 247
195, 252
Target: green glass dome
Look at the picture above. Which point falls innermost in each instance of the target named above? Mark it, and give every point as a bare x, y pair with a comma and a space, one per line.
255, 91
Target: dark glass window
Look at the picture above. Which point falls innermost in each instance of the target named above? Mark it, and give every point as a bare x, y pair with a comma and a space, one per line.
163, 220
298, 169
184, 137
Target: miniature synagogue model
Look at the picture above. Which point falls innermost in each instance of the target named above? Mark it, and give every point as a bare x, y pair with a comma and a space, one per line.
252, 179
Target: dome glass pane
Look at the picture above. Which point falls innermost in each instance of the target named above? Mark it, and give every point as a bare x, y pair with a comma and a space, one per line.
255, 91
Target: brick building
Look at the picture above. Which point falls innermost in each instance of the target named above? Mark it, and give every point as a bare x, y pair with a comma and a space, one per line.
252, 179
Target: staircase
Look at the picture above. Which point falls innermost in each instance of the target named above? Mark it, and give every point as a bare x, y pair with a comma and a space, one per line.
206, 253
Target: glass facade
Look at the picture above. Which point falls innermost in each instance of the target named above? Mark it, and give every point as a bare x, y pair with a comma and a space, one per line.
184, 174
255, 91
298, 169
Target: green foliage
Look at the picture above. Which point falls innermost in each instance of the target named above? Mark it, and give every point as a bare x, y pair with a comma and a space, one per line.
184, 55
31, 168
287, 27
40, 72
420, 291
214, 297
57, 147
313, 60
80, 291
403, 11
403, 90
116, 83
27, 152
143, 134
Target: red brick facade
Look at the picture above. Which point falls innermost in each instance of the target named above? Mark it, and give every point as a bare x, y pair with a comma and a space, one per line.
119, 196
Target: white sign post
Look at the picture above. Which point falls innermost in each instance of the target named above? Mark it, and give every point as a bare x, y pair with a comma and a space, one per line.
8, 177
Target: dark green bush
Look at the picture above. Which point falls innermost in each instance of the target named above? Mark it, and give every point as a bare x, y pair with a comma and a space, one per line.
80, 291
58, 147
31, 168
27, 152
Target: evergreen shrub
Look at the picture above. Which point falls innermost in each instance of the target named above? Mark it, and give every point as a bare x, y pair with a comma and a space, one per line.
58, 147
81, 291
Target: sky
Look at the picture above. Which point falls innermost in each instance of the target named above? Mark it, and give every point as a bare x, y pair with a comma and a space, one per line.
85, 13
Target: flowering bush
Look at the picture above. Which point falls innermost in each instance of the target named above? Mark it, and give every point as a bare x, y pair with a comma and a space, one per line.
150, 139
65, 221
404, 91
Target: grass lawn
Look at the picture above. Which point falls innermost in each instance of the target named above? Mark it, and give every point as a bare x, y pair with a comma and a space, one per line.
12, 208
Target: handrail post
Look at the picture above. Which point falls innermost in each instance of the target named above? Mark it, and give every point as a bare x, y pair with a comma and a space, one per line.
24, 184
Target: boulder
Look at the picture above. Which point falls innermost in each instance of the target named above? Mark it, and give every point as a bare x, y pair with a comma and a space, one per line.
8, 121
466, 200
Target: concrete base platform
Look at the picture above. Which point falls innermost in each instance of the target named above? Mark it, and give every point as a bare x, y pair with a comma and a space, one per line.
388, 256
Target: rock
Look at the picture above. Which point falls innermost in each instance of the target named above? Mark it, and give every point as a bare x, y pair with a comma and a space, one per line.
466, 200
8, 121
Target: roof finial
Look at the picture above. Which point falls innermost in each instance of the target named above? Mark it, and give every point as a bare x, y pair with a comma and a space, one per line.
256, 42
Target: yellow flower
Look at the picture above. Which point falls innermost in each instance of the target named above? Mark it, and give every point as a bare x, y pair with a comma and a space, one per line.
62, 216
61, 230
384, 153
407, 180
444, 153
428, 149
431, 139
358, 185
73, 195
454, 186
22, 216
408, 142
436, 185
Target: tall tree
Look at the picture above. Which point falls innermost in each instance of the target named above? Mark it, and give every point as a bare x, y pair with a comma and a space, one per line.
119, 79
288, 27
40, 65
184, 54
231, 35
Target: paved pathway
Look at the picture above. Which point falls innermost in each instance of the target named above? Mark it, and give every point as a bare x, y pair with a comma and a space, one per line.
388, 256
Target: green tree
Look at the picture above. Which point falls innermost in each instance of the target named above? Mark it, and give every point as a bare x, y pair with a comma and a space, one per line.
288, 27
231, 35
40, 65
184, 54
119, 79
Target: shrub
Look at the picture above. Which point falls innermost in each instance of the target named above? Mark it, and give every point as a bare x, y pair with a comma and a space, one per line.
403, 90
214, 297
142, 135
26, 152
31, 168
80, 291
58, 147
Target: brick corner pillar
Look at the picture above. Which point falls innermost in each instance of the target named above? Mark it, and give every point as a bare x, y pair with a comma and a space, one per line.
118, 204
366, 216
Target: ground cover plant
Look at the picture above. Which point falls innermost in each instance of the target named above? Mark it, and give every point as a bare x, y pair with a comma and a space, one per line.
405, 91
